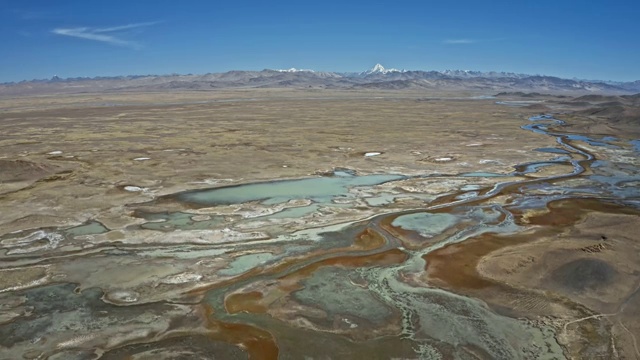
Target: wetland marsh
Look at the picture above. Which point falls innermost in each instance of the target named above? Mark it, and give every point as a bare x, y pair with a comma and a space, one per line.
259, 228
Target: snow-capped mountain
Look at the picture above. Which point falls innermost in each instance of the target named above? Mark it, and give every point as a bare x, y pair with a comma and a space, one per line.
379, 69
376, 78
489, 74
294, 70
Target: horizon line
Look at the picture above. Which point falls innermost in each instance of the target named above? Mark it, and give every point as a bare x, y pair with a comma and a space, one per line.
56, 77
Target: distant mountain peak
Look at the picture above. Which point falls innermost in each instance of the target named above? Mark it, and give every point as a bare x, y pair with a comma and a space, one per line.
294, 70
379, 69
378, 77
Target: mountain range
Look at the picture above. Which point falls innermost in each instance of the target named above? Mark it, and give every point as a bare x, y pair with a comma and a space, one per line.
378, 77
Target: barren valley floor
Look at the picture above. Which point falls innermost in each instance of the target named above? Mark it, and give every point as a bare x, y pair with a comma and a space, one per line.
323, 224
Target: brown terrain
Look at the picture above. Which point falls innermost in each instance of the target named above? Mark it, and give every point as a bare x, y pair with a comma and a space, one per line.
469, 253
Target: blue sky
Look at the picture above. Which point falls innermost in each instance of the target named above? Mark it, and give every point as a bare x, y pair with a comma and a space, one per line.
585, 39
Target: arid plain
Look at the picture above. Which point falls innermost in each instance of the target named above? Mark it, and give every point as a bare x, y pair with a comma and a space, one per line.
327, 224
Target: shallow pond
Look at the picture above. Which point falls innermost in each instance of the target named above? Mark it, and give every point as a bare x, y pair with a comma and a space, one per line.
320, 189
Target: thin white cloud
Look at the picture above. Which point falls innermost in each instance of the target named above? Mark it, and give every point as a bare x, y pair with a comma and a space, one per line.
125, 27
87, 33
459, 41
107, 35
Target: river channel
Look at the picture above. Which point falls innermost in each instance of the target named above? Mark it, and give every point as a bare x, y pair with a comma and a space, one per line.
233, 272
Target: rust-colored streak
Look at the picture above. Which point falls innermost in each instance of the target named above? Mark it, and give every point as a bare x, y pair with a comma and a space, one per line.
369, 239
247, 302
386, 258
454, 266
257, 302
396, 231
569, 211
453, 198
258, 343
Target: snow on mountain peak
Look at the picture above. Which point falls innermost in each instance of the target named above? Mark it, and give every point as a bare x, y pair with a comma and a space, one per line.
294, 70
379, 69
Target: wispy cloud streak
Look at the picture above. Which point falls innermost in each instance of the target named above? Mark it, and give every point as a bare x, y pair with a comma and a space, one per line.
107, 35
459, 41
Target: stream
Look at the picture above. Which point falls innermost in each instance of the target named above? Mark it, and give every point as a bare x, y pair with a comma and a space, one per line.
225, 274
